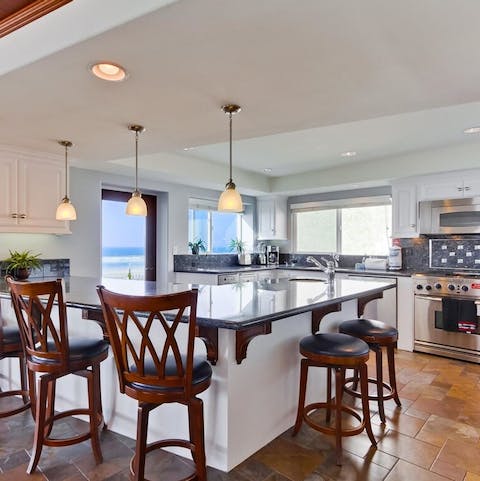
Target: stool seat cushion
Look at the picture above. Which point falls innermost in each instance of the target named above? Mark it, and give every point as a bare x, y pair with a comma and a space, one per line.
367, 328
81, 349
10, 335
334, 345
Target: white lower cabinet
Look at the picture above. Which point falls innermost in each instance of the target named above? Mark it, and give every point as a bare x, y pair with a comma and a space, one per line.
31, 187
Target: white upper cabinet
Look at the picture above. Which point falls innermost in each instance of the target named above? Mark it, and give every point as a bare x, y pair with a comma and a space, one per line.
450, 186
31, 187
404, 210
272, 218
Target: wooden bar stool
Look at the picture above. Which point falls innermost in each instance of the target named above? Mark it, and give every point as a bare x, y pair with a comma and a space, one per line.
52, 354
377, 335
336, 352
164, 371
11, 346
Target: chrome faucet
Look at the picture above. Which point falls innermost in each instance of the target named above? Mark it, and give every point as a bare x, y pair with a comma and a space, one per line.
329, 268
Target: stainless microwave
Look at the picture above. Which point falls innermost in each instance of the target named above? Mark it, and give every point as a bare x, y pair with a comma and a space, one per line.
450, 216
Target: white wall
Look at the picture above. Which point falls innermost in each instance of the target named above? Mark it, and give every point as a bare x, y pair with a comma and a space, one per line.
83, 246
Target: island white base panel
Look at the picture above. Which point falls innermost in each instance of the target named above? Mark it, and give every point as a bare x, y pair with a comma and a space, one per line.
246, 406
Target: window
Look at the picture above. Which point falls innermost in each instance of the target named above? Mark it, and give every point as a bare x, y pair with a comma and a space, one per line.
217, 229
354, 226
128, 242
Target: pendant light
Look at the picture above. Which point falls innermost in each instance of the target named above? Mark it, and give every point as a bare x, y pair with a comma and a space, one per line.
136, 205
230, 200
66, 210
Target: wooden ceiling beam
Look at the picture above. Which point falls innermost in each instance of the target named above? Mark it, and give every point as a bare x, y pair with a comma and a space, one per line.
27, 14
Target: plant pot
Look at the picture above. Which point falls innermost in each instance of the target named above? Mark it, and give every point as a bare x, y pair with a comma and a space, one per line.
21, 274
195, 251
245, 259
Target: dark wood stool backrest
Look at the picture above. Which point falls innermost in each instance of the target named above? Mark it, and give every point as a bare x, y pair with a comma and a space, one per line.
129, 317
45, 342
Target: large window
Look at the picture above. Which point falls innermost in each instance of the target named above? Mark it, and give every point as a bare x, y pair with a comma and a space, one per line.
217, 229
357, 226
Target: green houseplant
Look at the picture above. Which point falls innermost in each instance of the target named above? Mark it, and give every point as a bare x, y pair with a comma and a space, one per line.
239, 246
21, 263
197, 246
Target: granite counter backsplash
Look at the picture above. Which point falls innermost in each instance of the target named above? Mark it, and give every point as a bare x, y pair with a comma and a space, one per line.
49, 268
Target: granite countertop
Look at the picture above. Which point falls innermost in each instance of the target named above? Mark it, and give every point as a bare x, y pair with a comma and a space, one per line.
233, 306
252, 268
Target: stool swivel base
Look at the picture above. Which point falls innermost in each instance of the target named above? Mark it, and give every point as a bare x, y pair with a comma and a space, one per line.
336, 352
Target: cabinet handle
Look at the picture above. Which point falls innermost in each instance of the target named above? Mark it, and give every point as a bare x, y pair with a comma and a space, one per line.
467, 188
14, 216
412, 225
459, 189
23, 216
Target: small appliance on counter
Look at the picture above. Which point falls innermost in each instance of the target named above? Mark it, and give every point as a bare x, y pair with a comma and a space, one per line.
273, 255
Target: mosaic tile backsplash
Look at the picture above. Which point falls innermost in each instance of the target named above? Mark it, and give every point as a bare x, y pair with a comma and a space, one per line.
49, 268
455, 254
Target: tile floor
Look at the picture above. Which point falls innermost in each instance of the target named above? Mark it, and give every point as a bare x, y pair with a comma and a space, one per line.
435, 436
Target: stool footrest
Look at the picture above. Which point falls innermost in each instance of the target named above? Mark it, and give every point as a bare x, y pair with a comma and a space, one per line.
389, 395
330, 430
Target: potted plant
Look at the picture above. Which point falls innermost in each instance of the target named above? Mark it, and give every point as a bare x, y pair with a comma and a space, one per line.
20, 264
197, 246
239, 246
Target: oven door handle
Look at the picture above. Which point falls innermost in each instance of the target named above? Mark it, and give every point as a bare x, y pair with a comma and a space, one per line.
429, 298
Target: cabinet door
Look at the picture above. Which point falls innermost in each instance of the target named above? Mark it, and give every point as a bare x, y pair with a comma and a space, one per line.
272, 219
8, 192
40, 189
442, 188
265, 219
404, 211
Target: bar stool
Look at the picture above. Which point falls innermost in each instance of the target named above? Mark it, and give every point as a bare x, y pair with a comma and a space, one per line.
52, 354
336, 352
11, 346
161, 371
376, 334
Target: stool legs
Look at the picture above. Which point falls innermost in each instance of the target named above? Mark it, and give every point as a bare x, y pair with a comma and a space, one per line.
339, 377
379, 368
301, 395
391, 373
365, 406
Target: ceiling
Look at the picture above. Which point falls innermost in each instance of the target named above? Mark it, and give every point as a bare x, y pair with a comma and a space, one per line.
314, 79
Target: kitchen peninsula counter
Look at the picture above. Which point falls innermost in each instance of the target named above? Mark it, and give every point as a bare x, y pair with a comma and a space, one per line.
253, 397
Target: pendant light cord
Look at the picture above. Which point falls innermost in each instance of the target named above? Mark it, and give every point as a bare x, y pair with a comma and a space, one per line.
66, 171
230, 117
136, 161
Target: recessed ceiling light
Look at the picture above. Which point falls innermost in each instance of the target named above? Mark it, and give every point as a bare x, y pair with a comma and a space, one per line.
188, 148
350, 153
267, 170
472, 130
109, 71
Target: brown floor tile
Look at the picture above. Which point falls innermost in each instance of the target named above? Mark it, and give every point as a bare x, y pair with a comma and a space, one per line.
404, 471
20, 474
448, 470
447, 407
409, 449
289, 459
462, 454
438, 429
472, 477
401, 422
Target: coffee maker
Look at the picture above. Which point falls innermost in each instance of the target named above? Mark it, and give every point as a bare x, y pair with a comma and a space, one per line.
273, 255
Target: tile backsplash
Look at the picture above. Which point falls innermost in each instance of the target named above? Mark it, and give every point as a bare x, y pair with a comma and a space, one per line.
455, 254
49, 268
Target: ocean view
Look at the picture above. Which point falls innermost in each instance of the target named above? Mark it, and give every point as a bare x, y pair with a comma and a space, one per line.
117, 262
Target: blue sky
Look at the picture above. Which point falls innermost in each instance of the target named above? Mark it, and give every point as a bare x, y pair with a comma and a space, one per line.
119, 229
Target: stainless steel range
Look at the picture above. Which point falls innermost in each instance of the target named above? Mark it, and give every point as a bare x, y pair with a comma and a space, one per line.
439, 300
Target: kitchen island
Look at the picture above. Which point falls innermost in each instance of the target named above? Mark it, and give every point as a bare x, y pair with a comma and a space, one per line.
253, 395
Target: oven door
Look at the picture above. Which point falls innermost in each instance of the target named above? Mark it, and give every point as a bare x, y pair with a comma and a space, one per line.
430, 336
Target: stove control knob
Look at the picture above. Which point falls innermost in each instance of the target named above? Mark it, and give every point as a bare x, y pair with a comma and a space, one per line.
438, 286
451, 287
428, 288
464, 288
419, 287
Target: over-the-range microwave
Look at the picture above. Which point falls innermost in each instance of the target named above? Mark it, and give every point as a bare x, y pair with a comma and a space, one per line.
450, 216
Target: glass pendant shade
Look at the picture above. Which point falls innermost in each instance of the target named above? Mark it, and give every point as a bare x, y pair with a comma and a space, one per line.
230, 200
66, 210
136, 205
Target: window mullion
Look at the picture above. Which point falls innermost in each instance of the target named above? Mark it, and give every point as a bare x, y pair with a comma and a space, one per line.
339, 230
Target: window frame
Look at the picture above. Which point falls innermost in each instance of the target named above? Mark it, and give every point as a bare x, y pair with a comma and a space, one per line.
337, 205
150, 227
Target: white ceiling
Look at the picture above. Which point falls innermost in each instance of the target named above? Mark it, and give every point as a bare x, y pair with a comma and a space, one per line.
314, 79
